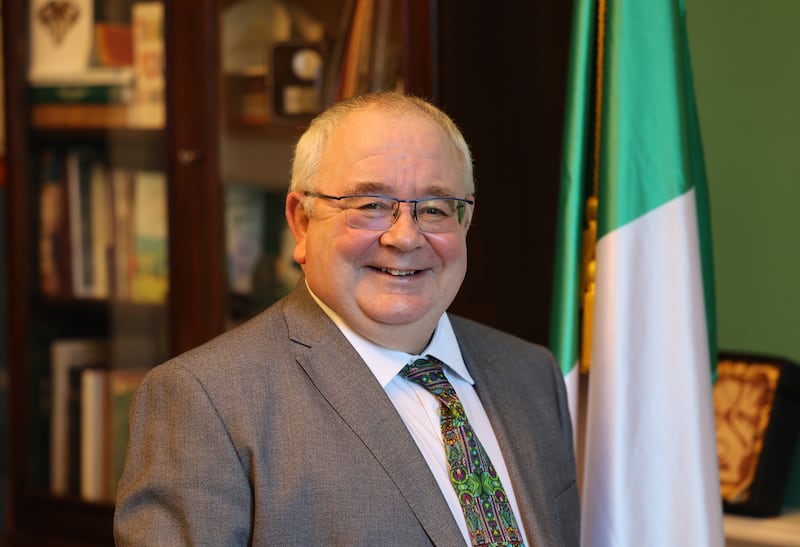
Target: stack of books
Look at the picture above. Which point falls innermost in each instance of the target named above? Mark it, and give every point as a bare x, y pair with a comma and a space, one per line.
118, 81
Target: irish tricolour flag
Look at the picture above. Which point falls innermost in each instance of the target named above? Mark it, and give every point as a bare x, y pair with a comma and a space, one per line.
634, 290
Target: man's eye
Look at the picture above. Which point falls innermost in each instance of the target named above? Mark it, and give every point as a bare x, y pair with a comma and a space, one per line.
434, 210
375, 206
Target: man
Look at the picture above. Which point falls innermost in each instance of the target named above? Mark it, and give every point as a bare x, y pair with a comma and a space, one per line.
312, 424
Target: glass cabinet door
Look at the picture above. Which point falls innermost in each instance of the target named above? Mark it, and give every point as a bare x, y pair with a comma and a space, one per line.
282, 62
90, 243
99, 296
148, 154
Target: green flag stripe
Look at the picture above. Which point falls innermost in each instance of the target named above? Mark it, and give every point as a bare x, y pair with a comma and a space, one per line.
644, 131
565, 312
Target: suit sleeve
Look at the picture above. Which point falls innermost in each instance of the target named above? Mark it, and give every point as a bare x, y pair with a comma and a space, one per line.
567, 503
563, 403
183, 483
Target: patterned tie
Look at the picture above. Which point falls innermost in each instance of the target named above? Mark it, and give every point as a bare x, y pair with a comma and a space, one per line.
489, 517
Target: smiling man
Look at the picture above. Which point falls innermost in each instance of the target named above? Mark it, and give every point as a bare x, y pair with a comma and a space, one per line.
357, 411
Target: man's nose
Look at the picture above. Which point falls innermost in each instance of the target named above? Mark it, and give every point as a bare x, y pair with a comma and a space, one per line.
404, 232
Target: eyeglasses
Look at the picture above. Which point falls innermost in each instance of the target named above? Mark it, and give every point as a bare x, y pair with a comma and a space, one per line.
378, 213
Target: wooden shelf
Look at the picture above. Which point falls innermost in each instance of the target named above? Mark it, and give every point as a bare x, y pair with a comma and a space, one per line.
780, 531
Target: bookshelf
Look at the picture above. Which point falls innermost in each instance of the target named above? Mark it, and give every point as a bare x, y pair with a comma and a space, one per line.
136, 228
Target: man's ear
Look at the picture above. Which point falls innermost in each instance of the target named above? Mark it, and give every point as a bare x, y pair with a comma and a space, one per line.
298, 220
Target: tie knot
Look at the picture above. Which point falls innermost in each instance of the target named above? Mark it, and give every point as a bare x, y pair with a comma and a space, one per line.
424, 370
429, 373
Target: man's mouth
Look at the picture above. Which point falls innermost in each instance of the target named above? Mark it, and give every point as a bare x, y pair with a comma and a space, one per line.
398, 273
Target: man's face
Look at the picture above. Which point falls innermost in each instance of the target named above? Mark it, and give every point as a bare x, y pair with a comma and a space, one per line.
391, 286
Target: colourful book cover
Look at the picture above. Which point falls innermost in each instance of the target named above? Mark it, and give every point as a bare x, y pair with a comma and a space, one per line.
151, 271
148, 63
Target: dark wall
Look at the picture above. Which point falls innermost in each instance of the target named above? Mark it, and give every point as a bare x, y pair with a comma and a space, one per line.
503, 80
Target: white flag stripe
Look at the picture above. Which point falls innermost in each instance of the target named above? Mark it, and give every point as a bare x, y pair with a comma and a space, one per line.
649, 409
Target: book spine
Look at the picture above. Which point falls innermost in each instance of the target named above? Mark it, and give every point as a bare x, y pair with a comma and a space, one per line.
77, 115
101, 229
80, 163
150, 281
122, 206
94, 435
55, 278
69, 358
73, 451
148, 63
80, 94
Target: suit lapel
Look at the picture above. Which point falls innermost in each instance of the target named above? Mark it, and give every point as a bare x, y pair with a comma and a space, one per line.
345, 381
515, 435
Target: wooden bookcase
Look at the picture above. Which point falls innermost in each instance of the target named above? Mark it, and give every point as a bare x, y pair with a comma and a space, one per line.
197, 151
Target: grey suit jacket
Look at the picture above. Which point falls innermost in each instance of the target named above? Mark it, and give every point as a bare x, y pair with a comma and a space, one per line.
277, 433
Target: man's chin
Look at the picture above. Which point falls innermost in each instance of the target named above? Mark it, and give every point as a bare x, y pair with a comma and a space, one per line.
398, 310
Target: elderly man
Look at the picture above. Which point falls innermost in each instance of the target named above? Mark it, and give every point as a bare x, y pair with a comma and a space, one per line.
356, 411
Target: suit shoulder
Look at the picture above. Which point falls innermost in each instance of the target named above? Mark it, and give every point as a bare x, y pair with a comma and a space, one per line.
253, 341
468, 329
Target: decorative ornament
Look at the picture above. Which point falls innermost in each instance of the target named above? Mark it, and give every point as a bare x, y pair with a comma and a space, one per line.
58, 17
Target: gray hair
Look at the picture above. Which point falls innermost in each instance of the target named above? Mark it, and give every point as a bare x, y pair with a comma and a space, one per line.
309, 149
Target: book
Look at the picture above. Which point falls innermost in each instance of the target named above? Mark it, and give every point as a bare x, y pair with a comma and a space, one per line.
122, 76
334, 57
94, 85
95, 432
113, 44
101, 228
79, 195
94, 98
150, 280
90, 223
384, 68
55, 279
80, 116
60, 36
356, 60
91, 228
122, 261
68, 357
122, 386
148, 62
80, 94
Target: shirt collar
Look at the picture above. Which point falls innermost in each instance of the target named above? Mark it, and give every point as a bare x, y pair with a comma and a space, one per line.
386, 363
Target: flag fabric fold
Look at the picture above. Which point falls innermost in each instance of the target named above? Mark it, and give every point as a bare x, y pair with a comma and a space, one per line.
632, 149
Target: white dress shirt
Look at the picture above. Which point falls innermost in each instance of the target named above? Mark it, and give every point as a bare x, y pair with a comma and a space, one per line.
419, 408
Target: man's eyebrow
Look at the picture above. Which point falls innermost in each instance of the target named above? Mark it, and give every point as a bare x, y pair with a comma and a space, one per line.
439, 191
367, 188
434, 190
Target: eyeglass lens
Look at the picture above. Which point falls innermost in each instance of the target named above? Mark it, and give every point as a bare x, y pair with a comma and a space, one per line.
379, 213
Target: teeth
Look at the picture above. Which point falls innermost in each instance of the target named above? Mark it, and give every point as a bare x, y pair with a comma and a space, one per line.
398, 272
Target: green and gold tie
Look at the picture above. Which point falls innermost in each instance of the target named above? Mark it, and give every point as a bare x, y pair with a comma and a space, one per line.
490, 520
